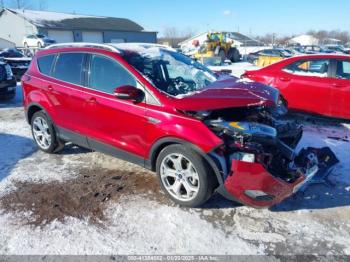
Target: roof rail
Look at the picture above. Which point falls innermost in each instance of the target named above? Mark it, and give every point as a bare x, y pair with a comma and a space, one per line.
82, 44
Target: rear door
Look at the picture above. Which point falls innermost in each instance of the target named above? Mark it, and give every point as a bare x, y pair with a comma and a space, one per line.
306, 85
68, 96
340, 99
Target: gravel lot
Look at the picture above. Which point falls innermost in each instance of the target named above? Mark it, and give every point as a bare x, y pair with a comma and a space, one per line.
83, 202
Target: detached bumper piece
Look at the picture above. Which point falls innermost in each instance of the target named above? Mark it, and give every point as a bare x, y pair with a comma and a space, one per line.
252, 184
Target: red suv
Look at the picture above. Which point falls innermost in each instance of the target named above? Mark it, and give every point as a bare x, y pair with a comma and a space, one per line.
152, 106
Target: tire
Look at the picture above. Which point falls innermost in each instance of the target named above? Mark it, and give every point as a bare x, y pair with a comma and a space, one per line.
198, 177
40, 45
26, 46
222, 55
234, 55
53, 144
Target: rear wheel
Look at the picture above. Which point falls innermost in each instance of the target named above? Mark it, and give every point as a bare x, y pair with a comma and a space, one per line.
222, 55
185, 176
233, 55
44, 133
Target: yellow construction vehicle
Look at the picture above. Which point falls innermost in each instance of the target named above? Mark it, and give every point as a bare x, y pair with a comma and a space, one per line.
217, 45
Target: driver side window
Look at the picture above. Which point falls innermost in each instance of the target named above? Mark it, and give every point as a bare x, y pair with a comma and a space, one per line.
107, 74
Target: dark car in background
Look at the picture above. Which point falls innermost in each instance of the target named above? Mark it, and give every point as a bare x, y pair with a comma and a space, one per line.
315, 49
17, 61
276, 52
338, 49
7, 82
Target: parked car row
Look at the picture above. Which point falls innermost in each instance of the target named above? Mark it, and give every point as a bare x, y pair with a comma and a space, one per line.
269, 56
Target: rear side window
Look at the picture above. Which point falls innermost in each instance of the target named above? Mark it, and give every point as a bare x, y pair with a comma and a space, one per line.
343, 69
45, 64
69, 68
314, 67
107, 74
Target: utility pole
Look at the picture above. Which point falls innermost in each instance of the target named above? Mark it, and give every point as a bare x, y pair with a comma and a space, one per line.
18, 4
2, 4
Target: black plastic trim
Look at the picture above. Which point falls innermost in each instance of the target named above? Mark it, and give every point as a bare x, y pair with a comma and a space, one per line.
118, 153
69, 136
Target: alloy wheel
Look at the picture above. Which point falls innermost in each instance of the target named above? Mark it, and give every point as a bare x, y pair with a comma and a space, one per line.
179, 177
41, 132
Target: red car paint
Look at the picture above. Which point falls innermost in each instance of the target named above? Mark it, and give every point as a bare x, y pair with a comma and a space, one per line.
328, 96
126, 125
220, 94
253, 176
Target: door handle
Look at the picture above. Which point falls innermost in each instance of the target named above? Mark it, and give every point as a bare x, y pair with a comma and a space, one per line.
338, 85
91, 100
49, 87
284, 79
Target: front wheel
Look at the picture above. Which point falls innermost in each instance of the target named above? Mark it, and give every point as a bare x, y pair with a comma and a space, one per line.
185, 176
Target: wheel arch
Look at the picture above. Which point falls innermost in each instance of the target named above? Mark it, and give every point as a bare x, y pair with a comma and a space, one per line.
164, 142
33, 108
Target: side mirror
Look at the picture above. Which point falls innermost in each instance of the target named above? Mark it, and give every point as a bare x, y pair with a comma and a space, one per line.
129, 93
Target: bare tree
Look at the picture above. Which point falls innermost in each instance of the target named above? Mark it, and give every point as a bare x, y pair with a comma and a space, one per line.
21, 4
171, 34
188, 32
42, 5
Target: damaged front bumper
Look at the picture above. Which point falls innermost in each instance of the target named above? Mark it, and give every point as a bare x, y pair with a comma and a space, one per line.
258, 161
253, 185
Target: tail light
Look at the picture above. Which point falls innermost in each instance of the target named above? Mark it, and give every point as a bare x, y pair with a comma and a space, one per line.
247, 75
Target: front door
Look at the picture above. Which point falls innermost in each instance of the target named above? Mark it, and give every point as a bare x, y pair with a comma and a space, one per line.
115, 126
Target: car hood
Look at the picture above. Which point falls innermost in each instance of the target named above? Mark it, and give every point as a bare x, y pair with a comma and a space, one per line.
228, 93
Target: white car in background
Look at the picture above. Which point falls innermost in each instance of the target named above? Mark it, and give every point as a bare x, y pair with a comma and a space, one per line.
37, 40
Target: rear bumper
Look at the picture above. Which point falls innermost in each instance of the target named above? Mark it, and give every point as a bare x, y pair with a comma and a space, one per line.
245, 177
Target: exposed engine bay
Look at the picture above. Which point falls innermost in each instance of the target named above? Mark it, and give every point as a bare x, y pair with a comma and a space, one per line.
261, 135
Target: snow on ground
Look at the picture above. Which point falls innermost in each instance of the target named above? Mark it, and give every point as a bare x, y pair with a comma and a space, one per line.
141, 220
237, 69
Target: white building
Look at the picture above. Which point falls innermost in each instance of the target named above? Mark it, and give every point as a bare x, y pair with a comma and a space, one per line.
6, 44
63, 27
304, 40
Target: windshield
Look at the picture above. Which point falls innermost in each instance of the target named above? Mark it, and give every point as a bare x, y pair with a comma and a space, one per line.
41, 36
169, 71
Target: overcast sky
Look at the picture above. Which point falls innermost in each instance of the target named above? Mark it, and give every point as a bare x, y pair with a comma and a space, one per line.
258, 17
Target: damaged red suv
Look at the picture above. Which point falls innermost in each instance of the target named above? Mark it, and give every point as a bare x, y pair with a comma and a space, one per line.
152, 106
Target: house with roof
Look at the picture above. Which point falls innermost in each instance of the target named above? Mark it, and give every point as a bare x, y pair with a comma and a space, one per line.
304, 40
15, 24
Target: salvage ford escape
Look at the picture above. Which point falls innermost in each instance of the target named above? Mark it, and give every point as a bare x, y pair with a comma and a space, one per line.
152, 106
